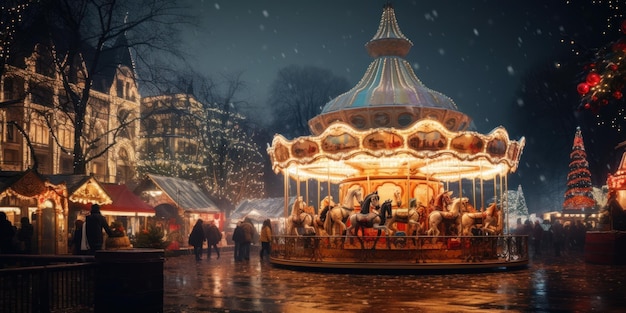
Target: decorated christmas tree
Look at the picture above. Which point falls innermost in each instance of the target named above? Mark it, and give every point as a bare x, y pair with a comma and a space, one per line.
515, 204
579, 193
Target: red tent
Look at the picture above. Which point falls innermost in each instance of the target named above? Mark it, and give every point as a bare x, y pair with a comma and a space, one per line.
125, 202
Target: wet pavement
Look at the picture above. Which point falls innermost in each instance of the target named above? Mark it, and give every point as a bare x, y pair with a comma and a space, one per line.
548, 284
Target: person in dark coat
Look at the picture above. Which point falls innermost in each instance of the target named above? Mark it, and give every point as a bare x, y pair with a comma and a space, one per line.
213, 237
94, 224
196, 239
249, 234
238, 237
25, 235
77, 237
7, 232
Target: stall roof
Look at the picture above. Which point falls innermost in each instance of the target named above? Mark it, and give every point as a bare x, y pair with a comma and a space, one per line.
82, 189
260, 209
124, 202
185, 193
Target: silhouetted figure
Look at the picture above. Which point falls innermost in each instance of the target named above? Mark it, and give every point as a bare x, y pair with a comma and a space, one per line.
213, 237
249, 233
196, 239
94, 224
7, 232
238, 237
25, 235
77, 237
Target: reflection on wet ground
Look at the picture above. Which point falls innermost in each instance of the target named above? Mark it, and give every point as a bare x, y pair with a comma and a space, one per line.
548, 284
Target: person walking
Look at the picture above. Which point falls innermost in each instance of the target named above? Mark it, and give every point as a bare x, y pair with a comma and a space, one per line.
266, 238
25, 235
237, 238
213, 237
94, 224
196, 239
249, 234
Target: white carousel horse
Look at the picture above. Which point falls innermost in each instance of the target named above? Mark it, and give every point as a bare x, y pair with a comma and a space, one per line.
454, 213
372, 219
337, 216
490, 223
299, 219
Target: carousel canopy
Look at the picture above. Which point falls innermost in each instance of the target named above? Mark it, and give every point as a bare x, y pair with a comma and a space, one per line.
426, 149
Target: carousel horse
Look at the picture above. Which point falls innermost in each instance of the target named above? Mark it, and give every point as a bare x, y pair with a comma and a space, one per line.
490, 220
325, 205
454, 213
372, 219
337, 216
411, 216
299, 219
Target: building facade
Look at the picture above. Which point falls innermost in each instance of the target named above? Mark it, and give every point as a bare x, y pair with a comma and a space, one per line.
37, 131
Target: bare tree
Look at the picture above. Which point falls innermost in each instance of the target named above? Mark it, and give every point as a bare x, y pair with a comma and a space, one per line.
86, 41
230, 165
298, 94
234, 162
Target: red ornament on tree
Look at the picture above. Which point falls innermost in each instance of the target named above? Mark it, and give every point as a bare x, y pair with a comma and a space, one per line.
617, 94
623, 27
613, 67
587, 106
593, 78
583, 88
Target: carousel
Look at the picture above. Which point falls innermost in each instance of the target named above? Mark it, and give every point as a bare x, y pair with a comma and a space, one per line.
403, 183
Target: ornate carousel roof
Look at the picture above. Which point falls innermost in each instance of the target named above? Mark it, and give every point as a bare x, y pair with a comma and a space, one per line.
389, 94
426, 149
391, 125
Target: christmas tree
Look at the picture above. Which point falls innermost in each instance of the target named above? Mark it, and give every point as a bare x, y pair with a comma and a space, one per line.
579, 193
515, 204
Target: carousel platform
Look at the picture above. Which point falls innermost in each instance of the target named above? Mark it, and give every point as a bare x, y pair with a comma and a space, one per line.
419, 254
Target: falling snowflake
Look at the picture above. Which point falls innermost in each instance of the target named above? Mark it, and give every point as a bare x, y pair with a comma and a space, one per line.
510, 70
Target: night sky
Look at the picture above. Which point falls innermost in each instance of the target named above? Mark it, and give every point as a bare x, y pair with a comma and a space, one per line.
485, 55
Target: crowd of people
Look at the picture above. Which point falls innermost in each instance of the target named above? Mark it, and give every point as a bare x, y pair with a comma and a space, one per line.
243, 236
205, 232
554, 236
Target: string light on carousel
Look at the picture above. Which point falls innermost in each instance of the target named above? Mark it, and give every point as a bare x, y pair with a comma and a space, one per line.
409, 176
